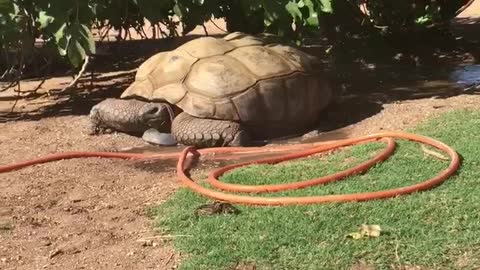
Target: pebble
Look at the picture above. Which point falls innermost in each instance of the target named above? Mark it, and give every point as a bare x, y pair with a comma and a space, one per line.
54, 253
5, 226
147, 243
311, 134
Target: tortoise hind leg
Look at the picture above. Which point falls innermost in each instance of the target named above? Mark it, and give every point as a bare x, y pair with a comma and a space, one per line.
200, 132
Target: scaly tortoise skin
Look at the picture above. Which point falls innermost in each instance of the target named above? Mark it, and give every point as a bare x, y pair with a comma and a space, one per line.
226, 91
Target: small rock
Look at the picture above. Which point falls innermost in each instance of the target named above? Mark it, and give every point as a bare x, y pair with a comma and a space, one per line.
78, 195
311, 134
4, 260
5, 226
74, 251
131, 253
47, 243
146, 243
54, 253
4, 211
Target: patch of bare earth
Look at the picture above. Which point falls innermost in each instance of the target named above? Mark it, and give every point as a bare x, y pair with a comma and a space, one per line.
90, 213
408, 113
77, 214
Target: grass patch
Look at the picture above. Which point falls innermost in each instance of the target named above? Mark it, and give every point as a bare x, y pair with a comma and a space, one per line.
437, 229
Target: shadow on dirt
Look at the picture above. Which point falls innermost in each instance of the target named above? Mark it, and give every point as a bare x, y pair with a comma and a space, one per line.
109, 73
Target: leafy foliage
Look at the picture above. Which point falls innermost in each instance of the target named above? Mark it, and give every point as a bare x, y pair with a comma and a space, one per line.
67, 24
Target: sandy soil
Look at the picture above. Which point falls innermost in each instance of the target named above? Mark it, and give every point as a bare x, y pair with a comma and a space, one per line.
77, 214
90, 213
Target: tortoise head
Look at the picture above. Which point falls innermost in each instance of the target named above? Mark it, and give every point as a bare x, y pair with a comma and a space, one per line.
157, 115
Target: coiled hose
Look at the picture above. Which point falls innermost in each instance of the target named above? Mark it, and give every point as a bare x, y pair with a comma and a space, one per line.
300, 151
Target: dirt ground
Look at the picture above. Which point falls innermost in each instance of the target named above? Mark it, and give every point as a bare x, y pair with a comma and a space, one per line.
90, 213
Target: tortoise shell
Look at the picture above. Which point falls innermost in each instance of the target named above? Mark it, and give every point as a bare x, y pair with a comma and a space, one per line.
238, 77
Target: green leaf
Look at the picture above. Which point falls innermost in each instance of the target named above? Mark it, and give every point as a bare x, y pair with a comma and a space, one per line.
301, 4
93, 8
44, 19
17, 10
312, 19
62, 45
76, 53
178, 10
326, 6
424, 19
60, 32
62, 39
294, 11
86, 38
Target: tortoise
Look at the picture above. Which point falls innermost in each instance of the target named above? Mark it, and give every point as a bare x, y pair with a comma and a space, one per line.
227, 91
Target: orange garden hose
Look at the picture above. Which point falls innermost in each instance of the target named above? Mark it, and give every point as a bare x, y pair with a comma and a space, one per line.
301, 150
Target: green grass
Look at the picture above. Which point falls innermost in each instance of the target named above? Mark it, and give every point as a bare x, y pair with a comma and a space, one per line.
436, 229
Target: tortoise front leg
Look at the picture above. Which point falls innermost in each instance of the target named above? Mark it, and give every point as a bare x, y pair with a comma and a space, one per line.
200, 132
